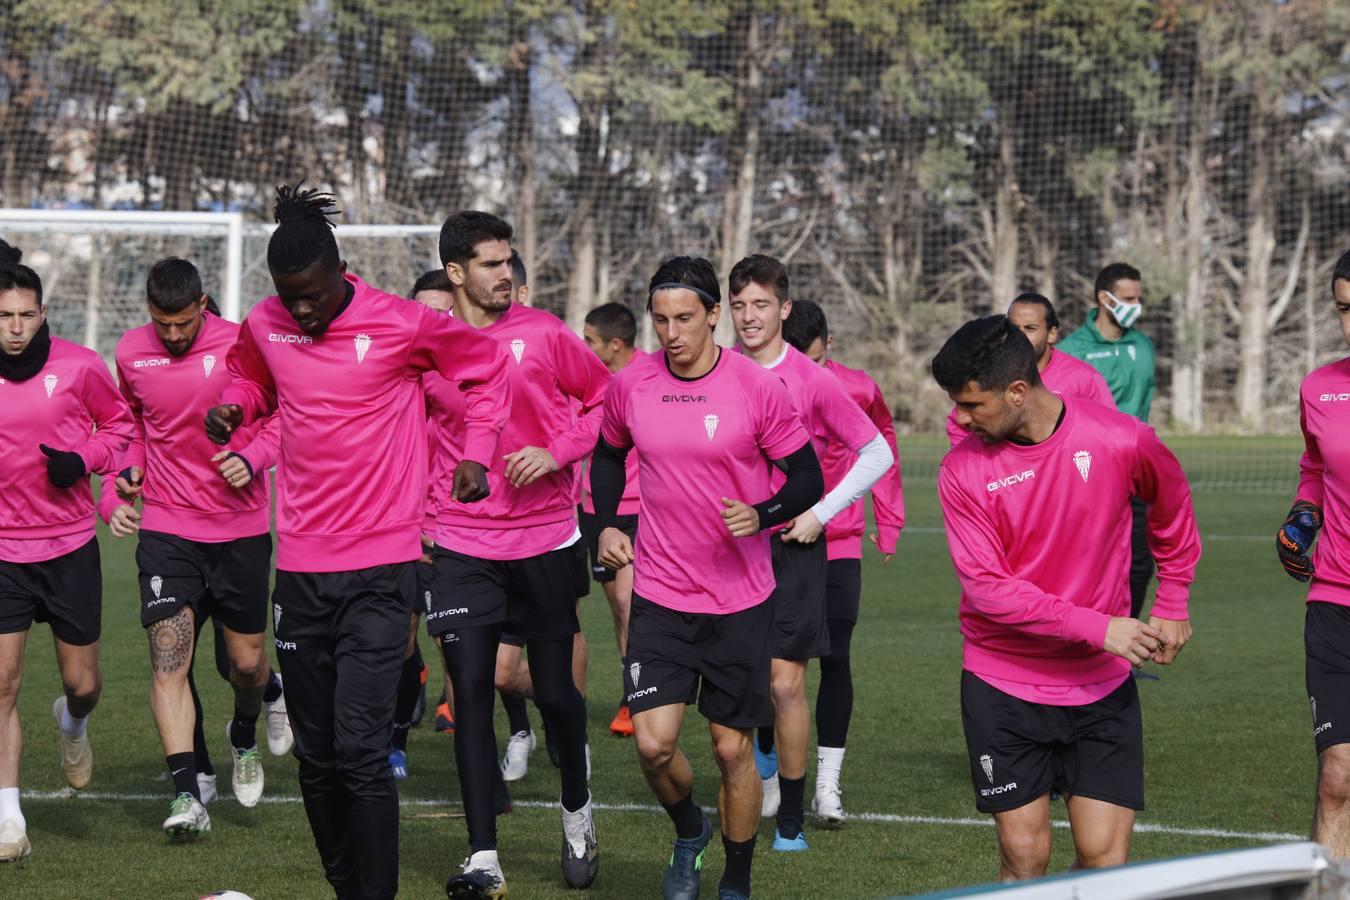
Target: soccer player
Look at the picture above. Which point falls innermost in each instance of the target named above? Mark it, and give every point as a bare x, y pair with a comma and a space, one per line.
60, 419
760, 300
509, 560
342, 362
1109, 342
806, 329
1060, 372
610, 331
708, 425
204, 547
1323, 503
1037, 512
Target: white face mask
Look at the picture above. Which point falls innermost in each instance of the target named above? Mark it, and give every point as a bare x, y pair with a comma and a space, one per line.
1125, 314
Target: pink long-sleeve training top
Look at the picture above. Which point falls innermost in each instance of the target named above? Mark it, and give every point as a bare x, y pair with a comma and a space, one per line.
1040, 539
1063, 375
184, 493
698, 441
72, 404
843, 534
557, 386
352, 477
1324, 477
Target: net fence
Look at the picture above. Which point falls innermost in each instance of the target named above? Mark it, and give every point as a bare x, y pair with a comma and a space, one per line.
914, 162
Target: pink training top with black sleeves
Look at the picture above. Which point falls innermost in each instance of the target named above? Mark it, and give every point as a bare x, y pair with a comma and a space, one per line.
699, 441
184, 493
73, 405
630, 505
551, 371
352, 478
1324, 477
1063, 375
1040, 539
843, 534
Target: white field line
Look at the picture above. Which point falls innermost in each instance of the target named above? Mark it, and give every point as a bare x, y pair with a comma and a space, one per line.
878, 818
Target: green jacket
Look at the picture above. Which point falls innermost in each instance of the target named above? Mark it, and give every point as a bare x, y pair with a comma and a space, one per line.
1127, 364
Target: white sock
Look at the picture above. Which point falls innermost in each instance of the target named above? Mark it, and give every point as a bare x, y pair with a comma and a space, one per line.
829, 761
9, 807
484, 859
71, 726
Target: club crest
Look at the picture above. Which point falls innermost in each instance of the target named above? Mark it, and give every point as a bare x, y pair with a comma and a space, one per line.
518, 349
156, 585
987, 763
363, 343
208, 363
1083, 460
710, 425
49, 382
634, 671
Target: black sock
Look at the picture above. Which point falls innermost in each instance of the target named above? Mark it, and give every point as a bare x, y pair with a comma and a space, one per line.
766, 739
790, 811
740, 854
686, 815
405, 701
273, 692
243, 734
183, 770
516, 713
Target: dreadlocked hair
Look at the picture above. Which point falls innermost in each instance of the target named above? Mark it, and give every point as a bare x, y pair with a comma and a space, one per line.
304, 232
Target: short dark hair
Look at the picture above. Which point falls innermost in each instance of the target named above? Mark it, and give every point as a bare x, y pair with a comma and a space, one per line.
14, 275
432, 280
805, 323
465, 230
613, 320
992, 352
763, 270
693, 272
518, 273
304, 232
173, 285
1051, 317
1342, 270
1116, 271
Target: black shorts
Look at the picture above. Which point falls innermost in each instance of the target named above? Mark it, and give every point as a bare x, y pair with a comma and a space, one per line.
720, 661
225, 581
590, 529
581, 573
65, 592
1326, 640
843, 589
801, 571
1020, 751
532, 598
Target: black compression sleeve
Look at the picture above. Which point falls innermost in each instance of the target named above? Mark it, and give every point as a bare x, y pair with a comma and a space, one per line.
804, 486
607, 482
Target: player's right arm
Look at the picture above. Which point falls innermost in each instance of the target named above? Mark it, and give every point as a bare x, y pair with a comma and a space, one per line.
131, 468
609, 476
1294, 540
989, 584
251, 393
782, 438
888, 497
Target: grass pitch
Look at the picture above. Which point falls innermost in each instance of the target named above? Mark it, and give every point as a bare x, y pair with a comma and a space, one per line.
1230, 761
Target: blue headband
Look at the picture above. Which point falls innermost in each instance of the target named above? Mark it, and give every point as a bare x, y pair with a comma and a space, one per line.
669, 285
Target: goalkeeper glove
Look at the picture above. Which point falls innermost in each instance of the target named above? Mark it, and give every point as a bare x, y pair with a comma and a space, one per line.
64, 467
1295, 538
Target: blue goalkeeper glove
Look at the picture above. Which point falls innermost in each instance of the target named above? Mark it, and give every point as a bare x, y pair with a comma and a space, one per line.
1295, 538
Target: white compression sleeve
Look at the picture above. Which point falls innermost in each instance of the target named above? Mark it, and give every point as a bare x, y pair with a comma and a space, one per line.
874, 460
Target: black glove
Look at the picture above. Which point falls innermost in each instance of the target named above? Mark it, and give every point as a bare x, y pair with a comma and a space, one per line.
64, 468
1295, 538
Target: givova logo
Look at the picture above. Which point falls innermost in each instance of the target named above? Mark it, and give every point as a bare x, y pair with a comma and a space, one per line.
1335, 398
1006, 480
275, 338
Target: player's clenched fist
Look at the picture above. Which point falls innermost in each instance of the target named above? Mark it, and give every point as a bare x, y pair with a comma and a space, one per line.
471, 482
1133, 640
221, 421
614, 549
124, 521
1176, 634
741, 518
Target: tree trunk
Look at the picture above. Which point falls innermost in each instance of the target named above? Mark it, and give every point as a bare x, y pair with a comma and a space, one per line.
581, 277
1189, 219
1255, 295
1004, 249
394, 55
738, 203
520, 142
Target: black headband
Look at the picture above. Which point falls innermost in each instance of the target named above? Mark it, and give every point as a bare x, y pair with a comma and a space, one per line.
668, 285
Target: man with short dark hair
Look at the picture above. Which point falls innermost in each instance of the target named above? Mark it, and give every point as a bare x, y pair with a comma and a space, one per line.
610, 331
759, 303
204, 546
342, 362
1111, 344
1038, 520
60, 419
1322, 503
508, 564
806, 329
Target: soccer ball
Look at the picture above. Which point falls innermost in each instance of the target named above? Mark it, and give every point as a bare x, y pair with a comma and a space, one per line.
227, 895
